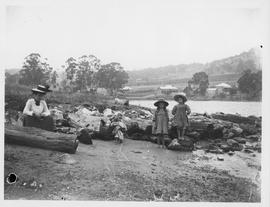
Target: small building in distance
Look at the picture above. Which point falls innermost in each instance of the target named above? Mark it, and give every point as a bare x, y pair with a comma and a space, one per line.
167, 90
126, 89
223, 88
211, 92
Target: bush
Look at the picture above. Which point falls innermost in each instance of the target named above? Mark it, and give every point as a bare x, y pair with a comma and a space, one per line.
17, 95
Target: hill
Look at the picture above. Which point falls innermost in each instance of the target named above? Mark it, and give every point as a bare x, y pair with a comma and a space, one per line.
168, 74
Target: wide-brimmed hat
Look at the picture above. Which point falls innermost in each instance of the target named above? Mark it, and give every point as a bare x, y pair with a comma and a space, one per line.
161, 101
44, 88
180, 95
36, 90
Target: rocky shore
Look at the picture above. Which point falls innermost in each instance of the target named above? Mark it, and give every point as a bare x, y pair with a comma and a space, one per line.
225, 133
219, 160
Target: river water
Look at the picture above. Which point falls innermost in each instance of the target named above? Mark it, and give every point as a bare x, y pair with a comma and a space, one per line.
232, 107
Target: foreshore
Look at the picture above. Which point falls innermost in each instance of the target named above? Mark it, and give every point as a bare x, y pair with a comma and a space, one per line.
224, 152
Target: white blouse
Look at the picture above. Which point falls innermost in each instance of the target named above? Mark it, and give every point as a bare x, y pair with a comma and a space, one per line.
31, 108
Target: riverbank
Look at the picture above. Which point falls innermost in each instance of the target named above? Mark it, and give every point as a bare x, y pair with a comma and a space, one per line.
138, 170
133, 171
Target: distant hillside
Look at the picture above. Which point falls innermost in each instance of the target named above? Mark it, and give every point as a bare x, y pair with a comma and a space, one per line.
12, 71
231, 65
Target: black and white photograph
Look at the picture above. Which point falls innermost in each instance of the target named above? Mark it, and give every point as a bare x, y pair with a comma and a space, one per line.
143, 101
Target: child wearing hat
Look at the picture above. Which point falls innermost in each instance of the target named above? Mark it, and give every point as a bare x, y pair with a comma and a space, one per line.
36, 112
180, 112
161, 121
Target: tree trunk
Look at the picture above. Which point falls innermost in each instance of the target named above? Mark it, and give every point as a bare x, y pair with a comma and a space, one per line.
39, 138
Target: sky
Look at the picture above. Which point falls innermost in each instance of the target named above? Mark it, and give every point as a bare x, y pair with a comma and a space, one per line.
137, 34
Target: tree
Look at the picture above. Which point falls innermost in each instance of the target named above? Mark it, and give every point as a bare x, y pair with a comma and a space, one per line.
251, 84
11, 78
80, 72
111, 76
35, 70
201, 78
53, 79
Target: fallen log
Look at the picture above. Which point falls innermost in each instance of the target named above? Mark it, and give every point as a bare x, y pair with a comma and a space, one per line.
34, 137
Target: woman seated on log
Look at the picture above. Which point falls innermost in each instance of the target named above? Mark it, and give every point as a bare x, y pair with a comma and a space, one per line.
36, 112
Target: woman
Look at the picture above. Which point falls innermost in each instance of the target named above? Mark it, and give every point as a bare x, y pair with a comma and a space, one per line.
36, 112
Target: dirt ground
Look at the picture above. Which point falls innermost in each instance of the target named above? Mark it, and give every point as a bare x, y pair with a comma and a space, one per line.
135, 170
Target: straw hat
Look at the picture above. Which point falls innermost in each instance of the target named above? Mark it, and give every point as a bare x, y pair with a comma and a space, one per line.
161, 101
180, 95
36, 90
44, 88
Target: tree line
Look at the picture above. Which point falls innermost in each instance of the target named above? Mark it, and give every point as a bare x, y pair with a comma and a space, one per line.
85, 73
250, 84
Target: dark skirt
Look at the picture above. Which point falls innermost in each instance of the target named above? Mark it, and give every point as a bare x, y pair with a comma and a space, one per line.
45, 123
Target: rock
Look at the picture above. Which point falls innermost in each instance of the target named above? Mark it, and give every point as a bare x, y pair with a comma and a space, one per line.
233, 118
195, 135
85, 137
249, 129
234, 145
139, 136
248, 151
181, 145
255, 137
240, 140
230, 153
258, 147
84, 118
66, 159
153, 139
107, 112
220, 158
236, 130
237, 147
212, 148
133, 127
225, 147
231, 142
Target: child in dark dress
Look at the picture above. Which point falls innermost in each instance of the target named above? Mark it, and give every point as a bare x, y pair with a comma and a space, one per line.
161, 121
180, 112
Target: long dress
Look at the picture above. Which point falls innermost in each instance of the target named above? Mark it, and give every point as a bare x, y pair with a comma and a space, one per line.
180, 118
161, 120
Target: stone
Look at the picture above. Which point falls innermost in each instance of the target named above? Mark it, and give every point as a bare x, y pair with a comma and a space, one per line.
231, 142
225, 147
236, 130
248, 151
220, 158
85, 137
181, 145
240, 140
230, 153
234, 145
255, 137
249, 129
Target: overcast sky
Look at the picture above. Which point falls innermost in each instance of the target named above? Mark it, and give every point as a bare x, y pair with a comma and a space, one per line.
137, 34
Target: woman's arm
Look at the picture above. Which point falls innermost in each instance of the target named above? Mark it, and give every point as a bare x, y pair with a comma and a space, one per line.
27, 109
46, 111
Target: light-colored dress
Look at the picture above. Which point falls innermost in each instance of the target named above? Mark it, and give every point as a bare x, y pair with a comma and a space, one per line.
31, 107
161, 120
180, 118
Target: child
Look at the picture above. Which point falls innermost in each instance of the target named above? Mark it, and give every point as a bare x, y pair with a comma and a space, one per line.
161, 121
180, 112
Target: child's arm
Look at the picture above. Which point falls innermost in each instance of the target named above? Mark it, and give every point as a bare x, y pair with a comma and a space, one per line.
174, 110
188, 110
